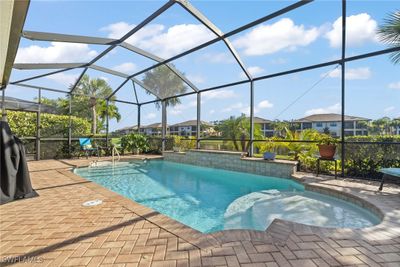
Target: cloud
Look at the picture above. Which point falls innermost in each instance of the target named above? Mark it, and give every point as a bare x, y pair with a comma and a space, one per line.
218, 94
278, 61
55, 53
244, 108
360, 28
389, 109
270, 38
62, 78
196, 78
179, 109
336, 108
212, 111
127, 67
150, 116
363, 73
394, 85
222, 57
164, 42
255, 70
236, 106
265, 104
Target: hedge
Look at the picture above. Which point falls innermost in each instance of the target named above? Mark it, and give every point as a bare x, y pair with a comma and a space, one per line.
23, 124
365, 160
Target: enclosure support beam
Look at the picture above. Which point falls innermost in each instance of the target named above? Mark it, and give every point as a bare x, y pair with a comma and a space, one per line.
251, 145
164, 124
138, 117
343, 83
107, 121
3, 105
70, 126
38, 125
198, 123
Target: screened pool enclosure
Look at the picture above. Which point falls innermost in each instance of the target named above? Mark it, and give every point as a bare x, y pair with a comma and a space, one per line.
137, 88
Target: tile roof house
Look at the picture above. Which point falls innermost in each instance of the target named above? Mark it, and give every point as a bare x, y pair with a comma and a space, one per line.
189, 128
332, 122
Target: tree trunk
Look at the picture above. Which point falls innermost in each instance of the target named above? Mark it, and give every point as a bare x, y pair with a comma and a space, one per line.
94, 120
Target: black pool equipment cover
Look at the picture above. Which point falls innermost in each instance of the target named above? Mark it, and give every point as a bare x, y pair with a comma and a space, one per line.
15, 180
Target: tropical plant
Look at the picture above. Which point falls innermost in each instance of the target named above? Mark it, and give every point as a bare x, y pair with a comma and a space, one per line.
299, 149
162, 82
326, 139
135, 143
23, 124
237, 129
381, 126
95, 91
184, 143
280, 128
389, 33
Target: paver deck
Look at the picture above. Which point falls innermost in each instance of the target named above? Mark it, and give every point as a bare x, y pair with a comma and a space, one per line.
54, 229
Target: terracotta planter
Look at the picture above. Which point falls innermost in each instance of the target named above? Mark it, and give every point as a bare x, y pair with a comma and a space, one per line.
327, 151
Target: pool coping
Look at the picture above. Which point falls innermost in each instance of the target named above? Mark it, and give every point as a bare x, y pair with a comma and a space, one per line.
278, 231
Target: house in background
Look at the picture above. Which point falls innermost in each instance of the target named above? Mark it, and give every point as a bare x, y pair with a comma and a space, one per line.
189, 128
332, 123
267, 128
153, 129
126, 130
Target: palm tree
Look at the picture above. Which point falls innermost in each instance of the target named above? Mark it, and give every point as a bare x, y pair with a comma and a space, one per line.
300, 148
238, 128
389, 33
280, 128
162, 82
96, 90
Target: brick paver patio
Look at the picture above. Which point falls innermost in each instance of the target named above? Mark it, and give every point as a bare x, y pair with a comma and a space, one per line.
54, 229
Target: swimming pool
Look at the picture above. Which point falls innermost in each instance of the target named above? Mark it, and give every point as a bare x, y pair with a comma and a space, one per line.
210, 200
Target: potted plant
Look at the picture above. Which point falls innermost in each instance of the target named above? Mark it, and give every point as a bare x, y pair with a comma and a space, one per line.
327, 146
269, 148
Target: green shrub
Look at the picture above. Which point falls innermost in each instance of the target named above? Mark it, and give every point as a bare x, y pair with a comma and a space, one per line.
135, 143
365, 160
23, 124
184, 143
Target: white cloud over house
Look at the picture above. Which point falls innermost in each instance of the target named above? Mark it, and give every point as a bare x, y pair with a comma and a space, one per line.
245, 108
150, 115
270, 38
55, 53
360, 28
336, 108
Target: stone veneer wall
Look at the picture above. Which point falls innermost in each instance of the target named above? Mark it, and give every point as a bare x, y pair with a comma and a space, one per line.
233, 161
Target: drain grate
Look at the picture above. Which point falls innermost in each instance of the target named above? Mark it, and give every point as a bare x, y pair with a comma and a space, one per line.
92, 203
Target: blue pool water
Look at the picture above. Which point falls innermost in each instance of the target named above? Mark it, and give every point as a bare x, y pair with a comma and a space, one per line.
210, 200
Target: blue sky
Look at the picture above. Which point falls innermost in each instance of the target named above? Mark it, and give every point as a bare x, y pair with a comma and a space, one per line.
308, 35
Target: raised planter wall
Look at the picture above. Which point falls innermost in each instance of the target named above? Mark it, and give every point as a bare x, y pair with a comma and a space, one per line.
233, 161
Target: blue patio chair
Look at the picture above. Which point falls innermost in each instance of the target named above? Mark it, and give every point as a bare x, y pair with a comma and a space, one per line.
87, 147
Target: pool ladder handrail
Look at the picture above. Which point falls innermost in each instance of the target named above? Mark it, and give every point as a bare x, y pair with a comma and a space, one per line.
114, 151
